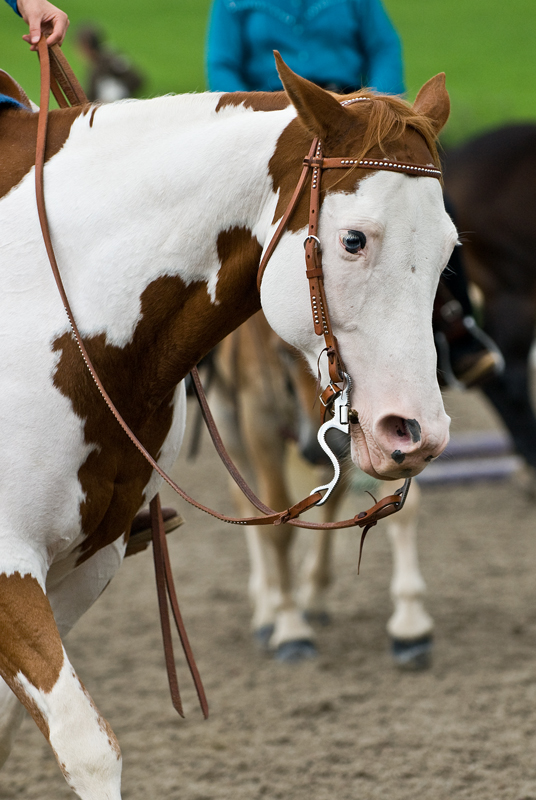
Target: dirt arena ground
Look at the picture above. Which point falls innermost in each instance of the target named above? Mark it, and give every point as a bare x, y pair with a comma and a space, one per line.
346, 725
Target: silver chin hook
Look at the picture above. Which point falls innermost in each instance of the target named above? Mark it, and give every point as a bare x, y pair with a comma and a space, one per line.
339, 421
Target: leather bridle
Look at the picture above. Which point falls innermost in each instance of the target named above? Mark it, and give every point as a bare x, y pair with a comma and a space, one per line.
68, 91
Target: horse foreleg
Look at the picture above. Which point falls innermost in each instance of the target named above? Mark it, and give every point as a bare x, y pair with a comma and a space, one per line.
271, 582
410, 626
317, 576
34, 665
277, 621
317, 570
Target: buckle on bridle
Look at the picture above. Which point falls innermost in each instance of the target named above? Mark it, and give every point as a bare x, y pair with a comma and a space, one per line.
330, 393
314, 238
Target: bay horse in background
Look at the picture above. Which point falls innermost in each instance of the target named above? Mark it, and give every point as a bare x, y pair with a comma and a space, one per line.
263, 395
490, 182
159, 211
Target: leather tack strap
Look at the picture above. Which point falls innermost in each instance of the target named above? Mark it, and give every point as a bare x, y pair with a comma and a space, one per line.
63, 82
424, 170
293, 202
166, 592
315, 273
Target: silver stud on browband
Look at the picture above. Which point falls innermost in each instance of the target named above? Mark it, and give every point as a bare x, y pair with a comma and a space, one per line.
354, 100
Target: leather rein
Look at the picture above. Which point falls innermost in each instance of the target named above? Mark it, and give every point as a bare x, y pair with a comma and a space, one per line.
67, 91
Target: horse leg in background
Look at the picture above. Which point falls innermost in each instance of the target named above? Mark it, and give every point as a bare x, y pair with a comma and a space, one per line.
410, 626
317, 570
277, 614
317, 577
37, 671
510, 320
247, 400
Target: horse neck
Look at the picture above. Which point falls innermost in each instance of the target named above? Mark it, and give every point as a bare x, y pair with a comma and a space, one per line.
192, 202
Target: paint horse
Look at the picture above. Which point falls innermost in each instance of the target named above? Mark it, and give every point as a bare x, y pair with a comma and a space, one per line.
263, 395
159, 211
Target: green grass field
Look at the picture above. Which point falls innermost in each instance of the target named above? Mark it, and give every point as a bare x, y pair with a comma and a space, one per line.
486, 47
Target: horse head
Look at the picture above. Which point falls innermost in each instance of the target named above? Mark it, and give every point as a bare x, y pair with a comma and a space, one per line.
385, 238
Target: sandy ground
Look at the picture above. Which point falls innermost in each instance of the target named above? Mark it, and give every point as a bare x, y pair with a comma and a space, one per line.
346, 725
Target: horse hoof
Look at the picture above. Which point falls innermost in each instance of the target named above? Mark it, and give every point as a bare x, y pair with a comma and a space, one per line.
412, 655
298, 650
322, 618
263, 635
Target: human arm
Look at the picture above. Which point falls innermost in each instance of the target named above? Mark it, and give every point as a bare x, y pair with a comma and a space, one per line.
225, 51
41, 17
381, 47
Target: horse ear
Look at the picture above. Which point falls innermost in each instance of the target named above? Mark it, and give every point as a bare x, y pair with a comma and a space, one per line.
433, 101
318, 110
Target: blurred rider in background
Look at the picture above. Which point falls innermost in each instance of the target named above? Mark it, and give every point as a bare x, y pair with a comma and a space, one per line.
111, 75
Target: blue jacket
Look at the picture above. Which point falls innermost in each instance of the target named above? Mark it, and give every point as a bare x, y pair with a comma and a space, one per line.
336, 43
13, 4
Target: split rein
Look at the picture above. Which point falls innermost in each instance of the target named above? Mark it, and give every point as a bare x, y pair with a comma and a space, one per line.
67, 91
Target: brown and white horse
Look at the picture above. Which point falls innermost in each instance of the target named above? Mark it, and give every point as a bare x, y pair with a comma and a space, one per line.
262, 396
159, 211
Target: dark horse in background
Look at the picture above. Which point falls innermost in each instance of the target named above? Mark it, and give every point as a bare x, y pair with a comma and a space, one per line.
490, 182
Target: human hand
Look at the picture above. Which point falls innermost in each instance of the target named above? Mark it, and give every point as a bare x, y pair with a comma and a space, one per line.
42, 17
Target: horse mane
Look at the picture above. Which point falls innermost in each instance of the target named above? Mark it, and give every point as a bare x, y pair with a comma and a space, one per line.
389, 117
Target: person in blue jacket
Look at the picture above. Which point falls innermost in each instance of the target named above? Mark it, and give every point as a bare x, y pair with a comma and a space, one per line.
341, 45
41, 17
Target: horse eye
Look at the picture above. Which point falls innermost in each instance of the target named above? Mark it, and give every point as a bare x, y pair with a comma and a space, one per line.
353, 241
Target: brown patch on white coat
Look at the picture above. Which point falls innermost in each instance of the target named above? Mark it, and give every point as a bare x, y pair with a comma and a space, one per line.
18, 136
31, 643
179, 325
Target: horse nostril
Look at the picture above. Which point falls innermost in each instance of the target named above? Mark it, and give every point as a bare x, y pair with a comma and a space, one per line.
414, 430
353, 416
